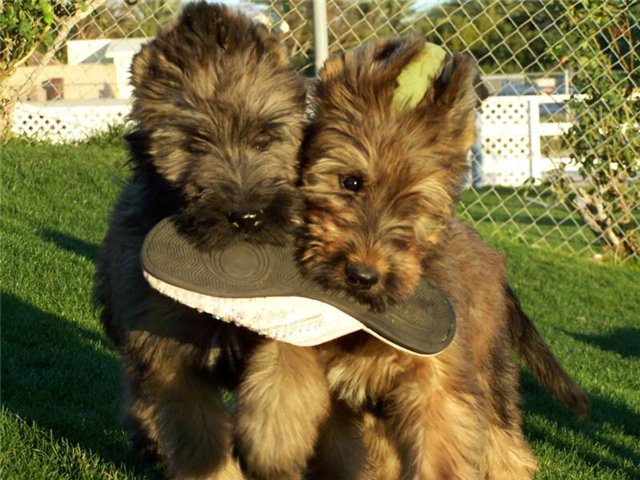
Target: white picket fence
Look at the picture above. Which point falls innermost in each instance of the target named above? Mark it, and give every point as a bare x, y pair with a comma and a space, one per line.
66, 121
512, 130
512, 138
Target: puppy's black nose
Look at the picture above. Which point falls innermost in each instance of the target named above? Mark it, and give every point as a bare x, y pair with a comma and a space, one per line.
245, 220
361, 276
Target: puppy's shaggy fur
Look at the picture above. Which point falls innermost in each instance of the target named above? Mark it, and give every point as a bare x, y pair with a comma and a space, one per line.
380, 187
218, 112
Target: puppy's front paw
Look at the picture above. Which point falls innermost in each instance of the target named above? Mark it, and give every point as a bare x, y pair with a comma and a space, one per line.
282, 401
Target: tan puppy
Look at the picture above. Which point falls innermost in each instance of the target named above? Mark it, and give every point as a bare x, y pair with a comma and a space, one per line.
380, 186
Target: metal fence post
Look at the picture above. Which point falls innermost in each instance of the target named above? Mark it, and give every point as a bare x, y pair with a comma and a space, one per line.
320, 33
534, 135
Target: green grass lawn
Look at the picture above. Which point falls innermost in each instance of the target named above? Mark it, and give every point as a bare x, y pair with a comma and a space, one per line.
60, 378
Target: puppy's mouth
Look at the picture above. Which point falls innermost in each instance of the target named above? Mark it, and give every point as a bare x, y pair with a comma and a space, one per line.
332, 277
217, 232
379, 297
216, 221
375, 301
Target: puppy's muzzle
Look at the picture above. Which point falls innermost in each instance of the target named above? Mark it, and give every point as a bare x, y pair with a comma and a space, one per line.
245, 220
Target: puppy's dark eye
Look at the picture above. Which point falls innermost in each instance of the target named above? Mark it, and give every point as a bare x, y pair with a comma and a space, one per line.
262, 143
400, 243
351, 182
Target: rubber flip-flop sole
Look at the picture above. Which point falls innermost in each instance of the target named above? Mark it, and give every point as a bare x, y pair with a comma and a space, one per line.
260, 288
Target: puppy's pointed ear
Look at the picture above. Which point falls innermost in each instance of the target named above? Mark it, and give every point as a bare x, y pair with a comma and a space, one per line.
273, 46
447, 114
393, 54
452, 99
140, 65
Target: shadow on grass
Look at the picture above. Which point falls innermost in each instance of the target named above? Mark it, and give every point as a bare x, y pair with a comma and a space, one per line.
604, 414
623, 341
70, 244
55, 374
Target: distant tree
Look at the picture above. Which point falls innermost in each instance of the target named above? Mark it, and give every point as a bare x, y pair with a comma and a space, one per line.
603, 50
126, 19
504, 36
31, 25
351, 23
293, 20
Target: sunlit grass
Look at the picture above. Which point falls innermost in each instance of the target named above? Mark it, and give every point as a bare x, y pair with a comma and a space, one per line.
60, 378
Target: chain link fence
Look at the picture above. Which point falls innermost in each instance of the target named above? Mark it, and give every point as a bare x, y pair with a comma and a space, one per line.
558, 161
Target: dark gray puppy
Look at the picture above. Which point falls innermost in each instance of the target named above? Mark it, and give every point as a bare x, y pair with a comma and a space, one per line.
218, 114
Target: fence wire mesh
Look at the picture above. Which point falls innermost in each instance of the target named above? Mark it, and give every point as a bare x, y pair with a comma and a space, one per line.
560, 141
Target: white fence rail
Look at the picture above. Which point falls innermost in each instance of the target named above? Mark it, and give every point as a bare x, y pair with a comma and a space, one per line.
68, 121
512, 130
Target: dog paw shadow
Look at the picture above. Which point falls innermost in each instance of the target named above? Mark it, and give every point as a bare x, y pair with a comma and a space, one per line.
70, 243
